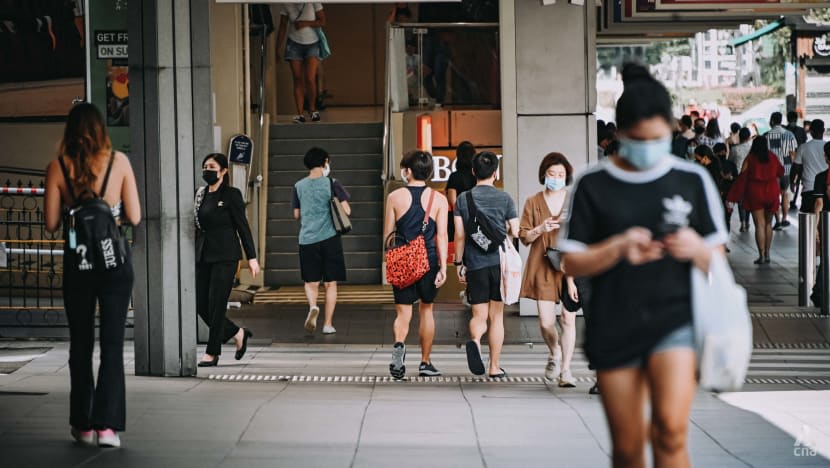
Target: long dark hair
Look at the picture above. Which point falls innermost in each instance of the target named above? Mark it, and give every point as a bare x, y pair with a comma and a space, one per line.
760, 149
222, 160
713, 129
464, 156
84, 137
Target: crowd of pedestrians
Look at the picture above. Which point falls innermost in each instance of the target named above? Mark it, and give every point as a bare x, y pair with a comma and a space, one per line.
616, 242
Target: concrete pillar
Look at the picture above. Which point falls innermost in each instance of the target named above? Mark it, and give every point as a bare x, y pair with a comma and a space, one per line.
170, 131
548, 71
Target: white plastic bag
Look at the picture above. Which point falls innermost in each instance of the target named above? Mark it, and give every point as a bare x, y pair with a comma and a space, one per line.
511, 272
723, 328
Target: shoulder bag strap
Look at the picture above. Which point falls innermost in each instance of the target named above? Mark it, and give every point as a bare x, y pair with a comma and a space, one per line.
69, 187
428, 210
471, 206
333, 195
107, 175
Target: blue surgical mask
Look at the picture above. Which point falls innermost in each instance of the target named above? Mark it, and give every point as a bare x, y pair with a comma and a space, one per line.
644, 154
553, 183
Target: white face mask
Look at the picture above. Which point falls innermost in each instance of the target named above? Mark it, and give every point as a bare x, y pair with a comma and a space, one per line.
326, 170
404, 178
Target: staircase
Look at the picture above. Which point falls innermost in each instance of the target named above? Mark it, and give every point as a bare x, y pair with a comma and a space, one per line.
357, 162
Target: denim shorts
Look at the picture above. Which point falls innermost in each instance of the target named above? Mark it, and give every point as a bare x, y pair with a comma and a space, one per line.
295, 51
683, 337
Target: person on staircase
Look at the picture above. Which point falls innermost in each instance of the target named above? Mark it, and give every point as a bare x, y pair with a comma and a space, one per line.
303, 52
321, 248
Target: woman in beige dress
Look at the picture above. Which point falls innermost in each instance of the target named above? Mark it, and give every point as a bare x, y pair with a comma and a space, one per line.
538, 229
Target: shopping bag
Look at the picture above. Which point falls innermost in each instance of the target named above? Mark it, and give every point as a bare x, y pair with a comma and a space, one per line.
511, 272
723, 328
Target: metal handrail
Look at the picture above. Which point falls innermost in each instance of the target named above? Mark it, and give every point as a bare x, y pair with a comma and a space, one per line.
387, 173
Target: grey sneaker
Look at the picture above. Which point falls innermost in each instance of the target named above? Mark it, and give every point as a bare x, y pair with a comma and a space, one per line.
566, 380
397, 368
426, 369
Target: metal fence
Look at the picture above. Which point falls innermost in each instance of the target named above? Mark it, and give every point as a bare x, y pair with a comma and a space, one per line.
31, 266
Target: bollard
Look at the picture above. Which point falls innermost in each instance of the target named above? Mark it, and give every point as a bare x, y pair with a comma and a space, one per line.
807, 224
825, 262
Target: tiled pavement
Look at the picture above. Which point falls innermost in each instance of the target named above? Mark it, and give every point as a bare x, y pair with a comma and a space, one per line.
289, 418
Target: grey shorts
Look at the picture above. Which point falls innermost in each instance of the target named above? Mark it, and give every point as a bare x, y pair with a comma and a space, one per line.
295, 51
683, 337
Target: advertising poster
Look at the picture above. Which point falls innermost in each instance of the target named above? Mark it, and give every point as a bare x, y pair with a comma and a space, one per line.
108, 84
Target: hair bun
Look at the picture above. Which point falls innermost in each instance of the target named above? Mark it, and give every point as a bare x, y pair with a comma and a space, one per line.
635, 72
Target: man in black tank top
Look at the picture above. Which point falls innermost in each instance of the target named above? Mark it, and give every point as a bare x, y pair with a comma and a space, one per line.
413, 211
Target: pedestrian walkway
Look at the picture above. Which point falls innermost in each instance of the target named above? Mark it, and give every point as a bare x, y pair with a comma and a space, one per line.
299, 400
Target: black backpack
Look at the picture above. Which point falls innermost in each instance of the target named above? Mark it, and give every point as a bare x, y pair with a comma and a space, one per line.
479, 231
93, 239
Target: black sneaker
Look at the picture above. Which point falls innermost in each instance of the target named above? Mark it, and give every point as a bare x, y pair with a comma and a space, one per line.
777, 226
594, 390
298, 119
315, 116
426, 369
785, 223
397, 368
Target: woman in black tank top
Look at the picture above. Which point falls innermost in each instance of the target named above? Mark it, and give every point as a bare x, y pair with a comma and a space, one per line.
97, 410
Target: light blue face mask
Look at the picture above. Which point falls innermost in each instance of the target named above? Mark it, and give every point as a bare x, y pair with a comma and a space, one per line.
554, 184
644, 154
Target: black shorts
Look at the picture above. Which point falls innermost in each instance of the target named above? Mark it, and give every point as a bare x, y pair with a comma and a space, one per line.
323, 261
484, 285
423, 289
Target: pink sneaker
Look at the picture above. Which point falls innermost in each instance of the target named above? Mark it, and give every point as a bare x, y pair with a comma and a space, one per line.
108, 438
83, 437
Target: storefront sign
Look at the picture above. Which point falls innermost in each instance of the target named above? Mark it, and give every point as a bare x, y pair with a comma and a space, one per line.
821, 46
108, 78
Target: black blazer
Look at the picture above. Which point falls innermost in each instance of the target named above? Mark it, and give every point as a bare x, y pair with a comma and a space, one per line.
223, 225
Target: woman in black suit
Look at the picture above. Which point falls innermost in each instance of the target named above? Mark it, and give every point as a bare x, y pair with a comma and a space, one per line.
220, 225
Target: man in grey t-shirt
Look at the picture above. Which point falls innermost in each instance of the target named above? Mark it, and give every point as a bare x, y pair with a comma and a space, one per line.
480, 270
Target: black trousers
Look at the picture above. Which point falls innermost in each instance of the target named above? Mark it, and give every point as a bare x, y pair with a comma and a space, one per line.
101, 406
214, 282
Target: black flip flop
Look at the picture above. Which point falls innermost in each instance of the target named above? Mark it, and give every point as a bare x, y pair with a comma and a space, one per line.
474, 361
500, 375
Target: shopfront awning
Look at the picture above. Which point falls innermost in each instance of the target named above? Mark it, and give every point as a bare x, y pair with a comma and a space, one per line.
772, 27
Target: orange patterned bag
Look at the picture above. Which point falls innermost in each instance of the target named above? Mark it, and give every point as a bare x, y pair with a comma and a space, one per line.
407, 262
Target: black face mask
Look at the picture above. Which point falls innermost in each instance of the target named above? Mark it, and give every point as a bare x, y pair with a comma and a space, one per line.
211, 177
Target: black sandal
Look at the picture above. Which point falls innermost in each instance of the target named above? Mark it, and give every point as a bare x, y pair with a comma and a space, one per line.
500, 375
474, 361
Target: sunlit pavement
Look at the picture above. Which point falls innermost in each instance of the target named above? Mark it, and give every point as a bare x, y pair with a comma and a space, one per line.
303, 400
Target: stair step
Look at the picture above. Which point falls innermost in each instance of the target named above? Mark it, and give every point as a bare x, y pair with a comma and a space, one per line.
275, 277
354, 260
360, 227
351, 243
347, 177
371, 192
334, 146
326, 130
360, 209
293, 162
